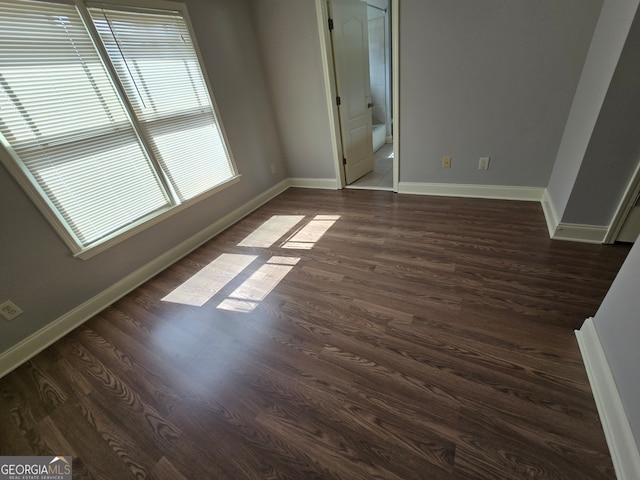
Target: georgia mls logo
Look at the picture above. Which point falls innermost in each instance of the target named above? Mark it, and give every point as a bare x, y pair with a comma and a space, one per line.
64, 463
35, 468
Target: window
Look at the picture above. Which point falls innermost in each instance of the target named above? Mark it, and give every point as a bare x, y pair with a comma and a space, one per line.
106, 113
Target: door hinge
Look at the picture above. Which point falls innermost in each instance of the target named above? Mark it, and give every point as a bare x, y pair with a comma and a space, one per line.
344, 161
331, 24
338, 101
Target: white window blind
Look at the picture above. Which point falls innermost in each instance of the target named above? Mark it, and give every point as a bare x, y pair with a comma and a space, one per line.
81, 137
62, 117
158, 66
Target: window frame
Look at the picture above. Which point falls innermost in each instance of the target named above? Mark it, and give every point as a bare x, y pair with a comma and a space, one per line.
25, 179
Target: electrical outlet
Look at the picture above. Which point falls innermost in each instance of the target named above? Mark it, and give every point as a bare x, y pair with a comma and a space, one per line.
273, 168
483, 164
9, 310
446, 162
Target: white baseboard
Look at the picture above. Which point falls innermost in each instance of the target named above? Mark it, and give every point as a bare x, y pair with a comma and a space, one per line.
38, 341
572, 232
550, 213
557, 230
622, 444
499, 192
321, 183
580, 233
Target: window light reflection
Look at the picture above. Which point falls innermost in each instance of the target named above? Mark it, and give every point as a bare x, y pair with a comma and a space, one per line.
247, 296
210, 280
309, 235
270, 231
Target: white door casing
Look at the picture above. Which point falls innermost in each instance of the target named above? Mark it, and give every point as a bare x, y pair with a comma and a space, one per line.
351, 57
625, 226
631, 226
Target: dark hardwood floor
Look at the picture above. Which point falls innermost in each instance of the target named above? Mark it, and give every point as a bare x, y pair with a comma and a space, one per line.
417, 338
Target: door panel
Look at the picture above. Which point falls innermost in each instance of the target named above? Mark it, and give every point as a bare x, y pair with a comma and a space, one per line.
351, 52
358, 138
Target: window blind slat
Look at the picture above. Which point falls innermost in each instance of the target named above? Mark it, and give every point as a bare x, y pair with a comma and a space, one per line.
159, 69
64, 120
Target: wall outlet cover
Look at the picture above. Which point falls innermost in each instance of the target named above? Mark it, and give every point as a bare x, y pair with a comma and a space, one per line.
9, 310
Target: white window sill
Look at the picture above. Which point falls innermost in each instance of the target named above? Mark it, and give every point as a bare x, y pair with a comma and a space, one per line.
157, 217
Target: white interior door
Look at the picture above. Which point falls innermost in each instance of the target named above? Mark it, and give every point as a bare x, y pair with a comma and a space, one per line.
351, 55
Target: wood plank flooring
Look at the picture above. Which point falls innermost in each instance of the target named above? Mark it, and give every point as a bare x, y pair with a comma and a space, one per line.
417, 338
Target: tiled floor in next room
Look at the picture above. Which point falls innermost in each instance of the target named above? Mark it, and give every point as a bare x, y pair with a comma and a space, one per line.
381, 178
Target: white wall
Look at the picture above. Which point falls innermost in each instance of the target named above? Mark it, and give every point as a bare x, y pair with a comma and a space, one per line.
378, 64
37, 271
290, 47
618, 325
613, 151
483, 78
605, 50
493, 78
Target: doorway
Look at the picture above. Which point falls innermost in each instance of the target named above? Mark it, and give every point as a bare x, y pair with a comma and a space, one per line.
625, 226
378, 137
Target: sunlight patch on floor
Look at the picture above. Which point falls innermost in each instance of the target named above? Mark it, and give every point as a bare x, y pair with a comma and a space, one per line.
200, 288
247, 296
271, 231
209, 281
313, 231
